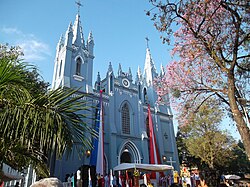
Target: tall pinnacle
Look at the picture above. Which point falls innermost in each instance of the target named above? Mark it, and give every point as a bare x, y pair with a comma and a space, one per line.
149, 67
78, 39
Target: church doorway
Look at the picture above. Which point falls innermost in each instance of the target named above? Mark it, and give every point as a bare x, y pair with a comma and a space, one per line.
129, 153
125, 157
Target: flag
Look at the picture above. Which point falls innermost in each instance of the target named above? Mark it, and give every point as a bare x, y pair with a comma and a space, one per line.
153, 148
97, 154
127, 179
90, 183
111, 178
145, 181
120, 179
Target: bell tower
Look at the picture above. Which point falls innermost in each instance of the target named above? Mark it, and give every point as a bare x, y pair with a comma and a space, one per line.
73, 66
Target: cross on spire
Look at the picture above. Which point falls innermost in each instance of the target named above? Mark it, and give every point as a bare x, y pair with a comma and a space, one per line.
78, 3
147, 40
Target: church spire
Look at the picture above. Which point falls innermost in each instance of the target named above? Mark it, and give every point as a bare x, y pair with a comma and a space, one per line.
60, 44
130, 74
139, 73
149, 67
120, 70
69, 35
78, 39
90, 44
98, 82
162, 71
110, 67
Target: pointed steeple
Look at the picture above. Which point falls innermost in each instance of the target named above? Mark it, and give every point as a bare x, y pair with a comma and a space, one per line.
149, 68
90, 37
69, 35
110, 67
90, 43
70, 29
139, 73
98, 82
120, 70
162, 71
129, 73
60, 43
78, 39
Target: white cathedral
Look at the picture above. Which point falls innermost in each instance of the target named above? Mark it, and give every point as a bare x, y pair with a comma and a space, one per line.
125, 104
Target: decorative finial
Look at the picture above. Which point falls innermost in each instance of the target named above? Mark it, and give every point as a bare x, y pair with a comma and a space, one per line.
147, 40
78, 3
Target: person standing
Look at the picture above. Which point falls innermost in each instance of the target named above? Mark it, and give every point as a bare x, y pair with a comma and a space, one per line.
69, 181
72, 180
78, 178
106, 180
114, 181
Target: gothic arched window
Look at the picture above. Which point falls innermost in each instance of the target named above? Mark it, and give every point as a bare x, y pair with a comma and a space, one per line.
145, 95
60, 69
78, 66
125, 119
139, 91
111, 83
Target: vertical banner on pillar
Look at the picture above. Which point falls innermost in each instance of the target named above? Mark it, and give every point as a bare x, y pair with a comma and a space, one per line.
153, 148
97, 154
127, 179
120, 179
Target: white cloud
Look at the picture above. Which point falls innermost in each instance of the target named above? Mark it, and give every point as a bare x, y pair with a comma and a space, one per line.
33, 48
9, 30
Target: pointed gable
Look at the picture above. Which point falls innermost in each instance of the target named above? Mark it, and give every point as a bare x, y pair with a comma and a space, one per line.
78, 39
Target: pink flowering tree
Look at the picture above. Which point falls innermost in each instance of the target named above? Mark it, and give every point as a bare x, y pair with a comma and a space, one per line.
213, 48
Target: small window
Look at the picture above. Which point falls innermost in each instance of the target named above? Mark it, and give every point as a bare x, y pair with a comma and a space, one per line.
125, 119
78, 66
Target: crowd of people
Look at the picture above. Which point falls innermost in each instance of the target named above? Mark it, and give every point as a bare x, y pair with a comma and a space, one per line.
73, 179
127, 179
76, 180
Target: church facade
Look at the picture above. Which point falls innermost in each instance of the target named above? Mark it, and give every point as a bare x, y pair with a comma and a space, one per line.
125, 102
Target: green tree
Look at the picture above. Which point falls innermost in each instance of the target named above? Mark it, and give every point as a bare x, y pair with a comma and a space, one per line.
184, 156
33, 126
205, 140
239, 163
34, 82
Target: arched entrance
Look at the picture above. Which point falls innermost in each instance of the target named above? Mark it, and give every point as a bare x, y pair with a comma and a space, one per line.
129, 153
125, 157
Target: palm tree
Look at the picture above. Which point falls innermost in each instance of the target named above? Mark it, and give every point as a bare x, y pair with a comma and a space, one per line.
32, 127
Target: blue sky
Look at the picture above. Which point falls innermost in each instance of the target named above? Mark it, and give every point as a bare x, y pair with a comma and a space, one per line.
119, 29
